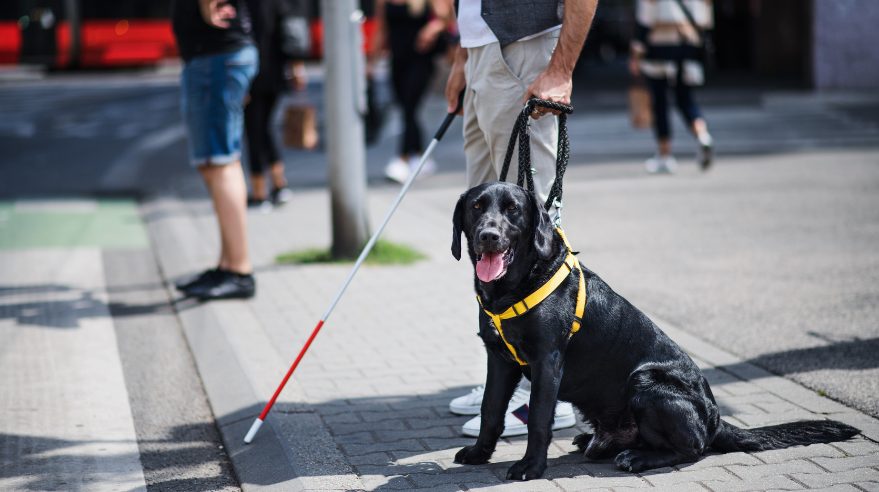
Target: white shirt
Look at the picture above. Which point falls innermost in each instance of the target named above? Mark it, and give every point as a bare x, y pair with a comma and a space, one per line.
473, 29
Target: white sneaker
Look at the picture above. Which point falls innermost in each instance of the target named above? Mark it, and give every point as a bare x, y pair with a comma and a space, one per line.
427, 169
397, 170
516, 418
469, 404
661, 164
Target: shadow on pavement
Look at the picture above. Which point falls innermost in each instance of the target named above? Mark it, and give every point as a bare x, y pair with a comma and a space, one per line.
36, 461
857, 354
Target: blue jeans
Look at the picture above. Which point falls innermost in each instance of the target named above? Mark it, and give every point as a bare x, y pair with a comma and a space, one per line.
213, 88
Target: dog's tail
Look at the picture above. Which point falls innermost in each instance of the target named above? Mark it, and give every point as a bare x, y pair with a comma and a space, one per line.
731, 438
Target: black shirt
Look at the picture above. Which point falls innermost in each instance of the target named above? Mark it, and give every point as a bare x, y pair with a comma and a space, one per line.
267, 30
195, 37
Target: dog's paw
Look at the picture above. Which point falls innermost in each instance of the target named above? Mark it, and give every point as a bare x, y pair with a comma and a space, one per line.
526, 469
631, 460
471, 455
582, 441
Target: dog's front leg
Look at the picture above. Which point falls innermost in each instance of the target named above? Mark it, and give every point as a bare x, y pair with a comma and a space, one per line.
500, 383
546, 374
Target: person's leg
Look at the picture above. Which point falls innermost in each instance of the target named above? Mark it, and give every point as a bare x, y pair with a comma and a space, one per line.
255, 127
229, 195
398, 167
696, 122
497, 81
417, 77
658, 89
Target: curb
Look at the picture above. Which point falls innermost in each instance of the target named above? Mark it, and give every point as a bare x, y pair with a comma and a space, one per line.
295, 451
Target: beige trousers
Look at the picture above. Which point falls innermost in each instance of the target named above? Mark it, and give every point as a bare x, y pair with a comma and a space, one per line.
496, 84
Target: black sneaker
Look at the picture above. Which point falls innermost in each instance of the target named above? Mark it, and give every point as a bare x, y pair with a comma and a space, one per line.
281, 195
193, 280
225, 285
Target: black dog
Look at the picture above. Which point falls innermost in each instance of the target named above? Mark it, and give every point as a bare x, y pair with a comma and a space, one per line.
649, 404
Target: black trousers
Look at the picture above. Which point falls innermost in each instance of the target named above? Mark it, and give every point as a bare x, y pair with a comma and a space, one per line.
411, 76
683, 98
261, 146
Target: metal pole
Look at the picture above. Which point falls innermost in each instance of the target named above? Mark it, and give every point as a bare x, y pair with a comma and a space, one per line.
346, 152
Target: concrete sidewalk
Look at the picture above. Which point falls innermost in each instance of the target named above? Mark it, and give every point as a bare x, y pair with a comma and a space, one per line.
368, 407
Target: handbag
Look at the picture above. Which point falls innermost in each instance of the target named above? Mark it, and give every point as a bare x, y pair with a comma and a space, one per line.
706, 43
300, 127
640, 110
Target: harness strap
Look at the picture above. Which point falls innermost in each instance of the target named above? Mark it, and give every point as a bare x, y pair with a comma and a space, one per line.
542, 293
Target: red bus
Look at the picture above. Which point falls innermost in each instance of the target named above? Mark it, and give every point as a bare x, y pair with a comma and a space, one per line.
111, 33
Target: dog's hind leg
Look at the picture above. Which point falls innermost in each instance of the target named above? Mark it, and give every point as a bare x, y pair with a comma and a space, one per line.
673, 424
500, 383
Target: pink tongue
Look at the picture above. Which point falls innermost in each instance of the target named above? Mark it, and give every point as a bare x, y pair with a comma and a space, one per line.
490, 266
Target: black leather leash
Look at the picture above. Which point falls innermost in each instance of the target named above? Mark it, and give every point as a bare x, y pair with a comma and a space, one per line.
520, 133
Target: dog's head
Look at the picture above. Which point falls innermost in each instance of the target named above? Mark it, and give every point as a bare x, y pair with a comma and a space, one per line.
502, 222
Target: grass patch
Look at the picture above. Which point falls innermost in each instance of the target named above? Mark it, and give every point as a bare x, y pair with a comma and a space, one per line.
383, 253
821, 393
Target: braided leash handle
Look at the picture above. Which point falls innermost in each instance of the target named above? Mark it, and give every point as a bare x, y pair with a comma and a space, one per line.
520, 133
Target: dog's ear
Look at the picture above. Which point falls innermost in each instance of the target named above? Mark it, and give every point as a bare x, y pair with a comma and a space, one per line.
458, 227
543, 229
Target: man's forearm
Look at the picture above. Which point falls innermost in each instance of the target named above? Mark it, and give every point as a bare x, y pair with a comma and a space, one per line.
576, 22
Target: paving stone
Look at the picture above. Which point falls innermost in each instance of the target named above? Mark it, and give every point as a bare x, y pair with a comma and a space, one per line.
679, 487
564, 470
714, 460
510, 486
413, 413
355, 449
868, 486
755, 472
586, 483
678, 477
426, 423
359, 437
775, 482
384, 425
396, 469
857, 447
788, 454
396, 435
477, 476
843, 464
341, 418
828, 479
842, 487
380, 482
370, 459
452, 443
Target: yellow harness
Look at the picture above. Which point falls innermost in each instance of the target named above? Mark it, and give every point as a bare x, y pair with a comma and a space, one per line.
542, 293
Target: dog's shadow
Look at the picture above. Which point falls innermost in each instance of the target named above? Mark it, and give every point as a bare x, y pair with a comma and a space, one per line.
409, 441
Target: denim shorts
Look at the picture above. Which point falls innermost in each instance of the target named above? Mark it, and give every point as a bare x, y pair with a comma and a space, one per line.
213, 88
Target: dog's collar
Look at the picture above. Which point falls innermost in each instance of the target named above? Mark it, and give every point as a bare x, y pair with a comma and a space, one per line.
542, 293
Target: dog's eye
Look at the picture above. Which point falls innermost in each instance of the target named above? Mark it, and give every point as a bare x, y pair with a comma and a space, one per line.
476, 206
511, 207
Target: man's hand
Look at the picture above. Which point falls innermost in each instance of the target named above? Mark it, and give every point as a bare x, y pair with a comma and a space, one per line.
216, 12
552, 85
457, 81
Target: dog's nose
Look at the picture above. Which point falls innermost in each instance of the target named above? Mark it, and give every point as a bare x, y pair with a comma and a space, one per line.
489, 235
